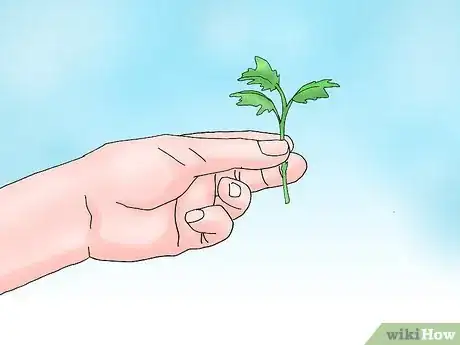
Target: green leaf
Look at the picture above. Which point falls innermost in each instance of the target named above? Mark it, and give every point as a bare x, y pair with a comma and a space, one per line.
262, 75
255, 99
314, 90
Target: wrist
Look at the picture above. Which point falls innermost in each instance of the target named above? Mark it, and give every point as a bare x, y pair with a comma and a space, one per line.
44, 224
74, 219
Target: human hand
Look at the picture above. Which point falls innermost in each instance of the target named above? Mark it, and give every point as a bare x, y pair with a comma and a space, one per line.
164, 195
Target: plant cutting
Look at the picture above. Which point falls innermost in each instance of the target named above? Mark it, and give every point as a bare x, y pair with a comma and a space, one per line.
268, 79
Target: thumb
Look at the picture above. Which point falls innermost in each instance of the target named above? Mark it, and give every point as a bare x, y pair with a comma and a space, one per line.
217, 155
212, 224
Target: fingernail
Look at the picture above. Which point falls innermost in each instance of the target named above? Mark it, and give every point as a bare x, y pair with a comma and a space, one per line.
290, 143
234, 190
194, 216
274, 147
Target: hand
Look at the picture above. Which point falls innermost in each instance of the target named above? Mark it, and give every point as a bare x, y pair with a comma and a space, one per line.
164, 195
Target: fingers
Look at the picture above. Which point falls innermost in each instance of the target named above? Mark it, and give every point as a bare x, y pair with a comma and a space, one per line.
216, 155
271, 177
234, 196
200, 225
253, 135
212, 224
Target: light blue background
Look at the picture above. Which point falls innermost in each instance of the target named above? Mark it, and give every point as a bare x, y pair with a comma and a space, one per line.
75, 75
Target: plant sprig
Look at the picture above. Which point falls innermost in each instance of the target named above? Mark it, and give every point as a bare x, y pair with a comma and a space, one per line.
268, 79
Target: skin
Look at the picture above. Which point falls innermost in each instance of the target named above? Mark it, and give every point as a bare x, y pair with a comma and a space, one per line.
135, 200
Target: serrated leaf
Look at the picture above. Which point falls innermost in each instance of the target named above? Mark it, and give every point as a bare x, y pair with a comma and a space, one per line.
313, 91
262, 75
255, 99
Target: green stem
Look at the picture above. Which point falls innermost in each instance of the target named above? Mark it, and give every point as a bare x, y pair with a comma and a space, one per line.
282, 126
